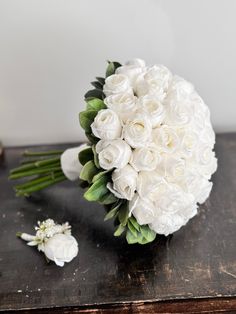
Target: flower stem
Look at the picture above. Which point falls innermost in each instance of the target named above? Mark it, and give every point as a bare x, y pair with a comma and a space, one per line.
34, 172
37, 187
48, 153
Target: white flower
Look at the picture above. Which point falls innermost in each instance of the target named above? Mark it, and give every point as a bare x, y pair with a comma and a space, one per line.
180, 89
116, 84
137, 130
70, 164
166, 139
155, 82
153, 109
136, 62
178, 113
132, 69
172, 168
142, 209
61, 248
200, 187
145, 158
124, 104
106, 125
113, 154
150, 185
206, 161
124, 182
54, 240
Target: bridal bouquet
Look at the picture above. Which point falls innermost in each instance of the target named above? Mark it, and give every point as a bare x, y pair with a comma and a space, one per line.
150, 154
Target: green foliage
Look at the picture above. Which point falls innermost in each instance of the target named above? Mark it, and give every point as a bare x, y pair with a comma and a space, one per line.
85, 155
114, 210
99, 175
97, 190
139, 234
123, 214
101, 80
86, 119
108, 198
111, 68
97, 85
95, 93
95, 104
92, 139
96, 161
88, 171
119, 230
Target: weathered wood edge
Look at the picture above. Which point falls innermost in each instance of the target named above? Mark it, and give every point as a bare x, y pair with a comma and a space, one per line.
216, 305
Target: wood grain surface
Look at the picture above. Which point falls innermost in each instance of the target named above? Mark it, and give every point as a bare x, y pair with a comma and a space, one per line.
192, 271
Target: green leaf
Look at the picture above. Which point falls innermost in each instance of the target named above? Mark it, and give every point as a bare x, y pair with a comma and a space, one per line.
99, 175
86, 119
96, 160
88, 171
134, 223
95, 93
97, 85
124, 214
132, 229
111, 68
92, 139
85, 155
95, 104
119, 230
108, 198
147, 233
101, 80
131, 239
112, 213
97, 190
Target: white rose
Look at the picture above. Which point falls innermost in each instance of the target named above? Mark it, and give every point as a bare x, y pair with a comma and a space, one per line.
179, 88
137, 131
167, 224
153, 108
178, 113
200, 187
116, 84
174, 199
136, 62
150, 185
155, 81
172, 168
61, 248
124, 104
206, 161
106, 125
131, 71
124, 182
113, 154
188, 142
142, 209
145, 158
70, 164
166, 139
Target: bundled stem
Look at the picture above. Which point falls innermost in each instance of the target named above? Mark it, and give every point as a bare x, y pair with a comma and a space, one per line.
44, 170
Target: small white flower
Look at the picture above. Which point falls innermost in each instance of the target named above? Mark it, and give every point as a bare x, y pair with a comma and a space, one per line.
142, 209
54, 240
124, 104
153, 109
145, 158
116, 84
124, 182
166, 139
136, 62
106, 125
113, 154
155, 81
137, 130
61, 248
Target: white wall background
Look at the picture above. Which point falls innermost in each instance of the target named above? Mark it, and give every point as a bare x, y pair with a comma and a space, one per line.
51, 49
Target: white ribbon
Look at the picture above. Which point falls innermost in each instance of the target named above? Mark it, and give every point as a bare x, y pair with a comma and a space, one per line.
70, 164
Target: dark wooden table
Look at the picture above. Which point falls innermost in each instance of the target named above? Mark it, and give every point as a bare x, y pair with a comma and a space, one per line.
193, 271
